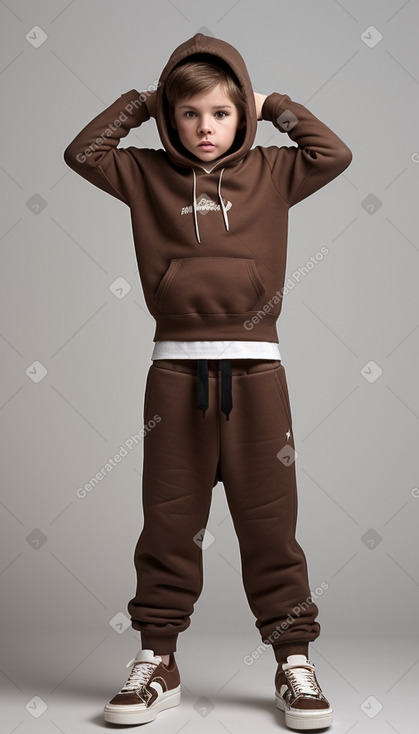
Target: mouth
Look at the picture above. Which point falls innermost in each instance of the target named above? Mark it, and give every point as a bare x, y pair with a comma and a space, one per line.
206, 145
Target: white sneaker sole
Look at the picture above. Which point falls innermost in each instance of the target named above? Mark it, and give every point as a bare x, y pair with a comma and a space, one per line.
314, 719
134, 714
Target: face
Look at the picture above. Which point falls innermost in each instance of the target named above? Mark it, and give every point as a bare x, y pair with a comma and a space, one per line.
210, 117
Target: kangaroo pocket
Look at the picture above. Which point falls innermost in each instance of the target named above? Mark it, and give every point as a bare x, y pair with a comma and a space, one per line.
210, 285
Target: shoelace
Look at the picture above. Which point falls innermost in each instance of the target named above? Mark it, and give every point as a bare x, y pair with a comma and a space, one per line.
139, 675
303, 682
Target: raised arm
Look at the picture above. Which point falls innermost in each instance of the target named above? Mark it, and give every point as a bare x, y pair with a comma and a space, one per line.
320, 156
94, 152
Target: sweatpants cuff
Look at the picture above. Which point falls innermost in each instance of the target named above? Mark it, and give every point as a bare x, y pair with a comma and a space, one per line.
160, 644
282, 651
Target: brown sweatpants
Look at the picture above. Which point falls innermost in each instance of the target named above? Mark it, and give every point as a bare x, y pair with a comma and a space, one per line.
252, 453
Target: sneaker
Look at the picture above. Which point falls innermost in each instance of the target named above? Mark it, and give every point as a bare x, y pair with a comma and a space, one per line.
299, 695
150, 688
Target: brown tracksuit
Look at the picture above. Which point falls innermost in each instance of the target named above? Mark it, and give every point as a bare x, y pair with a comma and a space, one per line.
211, 244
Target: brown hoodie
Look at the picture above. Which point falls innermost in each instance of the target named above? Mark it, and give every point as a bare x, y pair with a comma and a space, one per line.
210, 238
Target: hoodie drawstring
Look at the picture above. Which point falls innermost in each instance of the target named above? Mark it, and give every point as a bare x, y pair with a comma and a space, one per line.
194, 206
202, 385
223, 208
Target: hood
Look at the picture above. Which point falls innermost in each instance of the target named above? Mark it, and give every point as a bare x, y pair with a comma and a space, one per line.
200, 44
215, 47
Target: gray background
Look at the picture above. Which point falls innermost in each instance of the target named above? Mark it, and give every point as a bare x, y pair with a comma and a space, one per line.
67, 563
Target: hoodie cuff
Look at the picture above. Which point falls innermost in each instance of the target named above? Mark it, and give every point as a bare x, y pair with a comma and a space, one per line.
137, 105
273, 105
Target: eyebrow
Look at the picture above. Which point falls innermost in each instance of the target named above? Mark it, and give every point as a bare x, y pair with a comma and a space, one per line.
214, 107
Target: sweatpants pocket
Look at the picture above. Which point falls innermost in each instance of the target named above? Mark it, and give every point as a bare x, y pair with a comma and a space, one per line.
281, 382
147, 393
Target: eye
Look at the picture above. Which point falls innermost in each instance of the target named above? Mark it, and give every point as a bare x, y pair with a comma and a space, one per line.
189, 112
222, 112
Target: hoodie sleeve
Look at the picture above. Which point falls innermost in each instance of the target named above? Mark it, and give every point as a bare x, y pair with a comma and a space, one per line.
94, 154
320, 156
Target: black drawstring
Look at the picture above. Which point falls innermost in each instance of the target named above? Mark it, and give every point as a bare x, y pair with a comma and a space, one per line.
226, 391
226, 397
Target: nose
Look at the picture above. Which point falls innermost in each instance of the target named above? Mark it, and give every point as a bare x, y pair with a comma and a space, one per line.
205, 125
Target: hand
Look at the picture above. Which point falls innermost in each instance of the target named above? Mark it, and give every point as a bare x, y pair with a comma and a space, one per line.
151, 102
259, 100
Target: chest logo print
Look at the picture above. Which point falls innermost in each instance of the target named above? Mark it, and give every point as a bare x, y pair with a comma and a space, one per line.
205, 204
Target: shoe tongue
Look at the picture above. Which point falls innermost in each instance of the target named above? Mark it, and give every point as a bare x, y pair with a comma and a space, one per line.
147, 656
297, 659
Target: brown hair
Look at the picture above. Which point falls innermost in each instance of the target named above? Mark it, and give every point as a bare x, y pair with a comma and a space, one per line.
195, 77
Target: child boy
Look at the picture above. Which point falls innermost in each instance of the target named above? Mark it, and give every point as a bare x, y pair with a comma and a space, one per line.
209, 216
